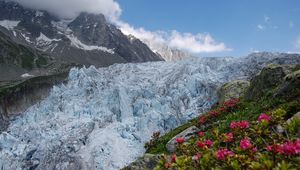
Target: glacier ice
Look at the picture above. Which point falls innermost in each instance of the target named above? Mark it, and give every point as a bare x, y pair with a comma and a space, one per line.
101, 118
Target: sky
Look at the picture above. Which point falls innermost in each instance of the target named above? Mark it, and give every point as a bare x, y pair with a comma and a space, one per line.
244, 26
201, 27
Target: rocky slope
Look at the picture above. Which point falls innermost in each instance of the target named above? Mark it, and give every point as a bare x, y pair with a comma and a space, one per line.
274, 94
101, 119
86, 40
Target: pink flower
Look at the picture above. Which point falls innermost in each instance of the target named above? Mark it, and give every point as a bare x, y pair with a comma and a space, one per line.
196, 156
276, 148
239, 125
222, 154
289, 148
264, 117
233, 125
229, 137
245, 144
174, 158
200, 134
202, 119
254, 150
180, 140
209, 143
243, 124
200, 145
269, 148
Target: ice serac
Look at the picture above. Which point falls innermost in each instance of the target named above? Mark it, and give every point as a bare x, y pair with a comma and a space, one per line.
102, 117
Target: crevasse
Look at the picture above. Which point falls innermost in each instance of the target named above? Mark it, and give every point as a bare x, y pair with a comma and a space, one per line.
102, 117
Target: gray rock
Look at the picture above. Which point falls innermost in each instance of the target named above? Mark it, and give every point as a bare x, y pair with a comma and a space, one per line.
186, 134
233, 89
147, 162
266, 81
296, 116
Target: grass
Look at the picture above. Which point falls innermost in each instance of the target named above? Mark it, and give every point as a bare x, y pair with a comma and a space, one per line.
247, 110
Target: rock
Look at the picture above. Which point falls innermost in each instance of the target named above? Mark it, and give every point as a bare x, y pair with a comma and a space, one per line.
186, 134
296, 116
147, 162
267, 81
291, 86
233, 89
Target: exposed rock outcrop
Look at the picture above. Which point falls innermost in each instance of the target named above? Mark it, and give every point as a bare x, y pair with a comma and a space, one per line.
147, 162
186, 134
276, 80
16, 97
232, 90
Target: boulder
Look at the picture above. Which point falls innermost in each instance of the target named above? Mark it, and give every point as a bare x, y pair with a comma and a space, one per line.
186, 134
290, 88
233, 89
267, 81
147, 162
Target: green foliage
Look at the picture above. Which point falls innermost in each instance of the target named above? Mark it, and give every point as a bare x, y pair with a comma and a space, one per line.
261, 134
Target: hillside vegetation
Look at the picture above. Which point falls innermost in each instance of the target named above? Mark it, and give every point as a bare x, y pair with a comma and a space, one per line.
258, 131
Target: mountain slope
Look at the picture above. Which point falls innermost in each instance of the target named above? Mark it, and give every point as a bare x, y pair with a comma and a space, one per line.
87, 40
101, 119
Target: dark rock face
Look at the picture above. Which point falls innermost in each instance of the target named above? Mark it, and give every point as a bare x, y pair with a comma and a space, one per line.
87, 40
276, 80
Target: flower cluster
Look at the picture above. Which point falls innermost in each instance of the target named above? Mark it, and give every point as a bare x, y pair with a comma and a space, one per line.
251, 144
245, 144
226, 107
264, 117
222, 154
229, 137
180, 140
205, 144
288, 148
239, 125
230, 104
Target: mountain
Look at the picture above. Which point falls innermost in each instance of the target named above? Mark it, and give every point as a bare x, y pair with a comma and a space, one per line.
166, 52
86, 40
101, 119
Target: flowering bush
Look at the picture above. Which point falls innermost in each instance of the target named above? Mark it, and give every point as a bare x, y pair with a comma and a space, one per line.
234, 142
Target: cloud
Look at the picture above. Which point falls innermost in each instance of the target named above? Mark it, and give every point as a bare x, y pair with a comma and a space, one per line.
68, 9
260, 27
71, 8
198, 43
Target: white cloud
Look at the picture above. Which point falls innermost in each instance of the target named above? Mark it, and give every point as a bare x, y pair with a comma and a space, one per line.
260, 27
111, 9
199, 43
71, 8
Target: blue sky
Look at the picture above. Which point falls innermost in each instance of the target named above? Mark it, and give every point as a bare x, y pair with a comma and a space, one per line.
242, 25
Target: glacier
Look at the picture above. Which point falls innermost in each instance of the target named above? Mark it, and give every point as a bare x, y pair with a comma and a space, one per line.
101, 118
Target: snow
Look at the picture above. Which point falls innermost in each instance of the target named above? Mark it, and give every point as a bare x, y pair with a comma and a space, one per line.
39, 14
9, 24
78, 44
26, 75
26, 37
43, 40
62, 27
102, 117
